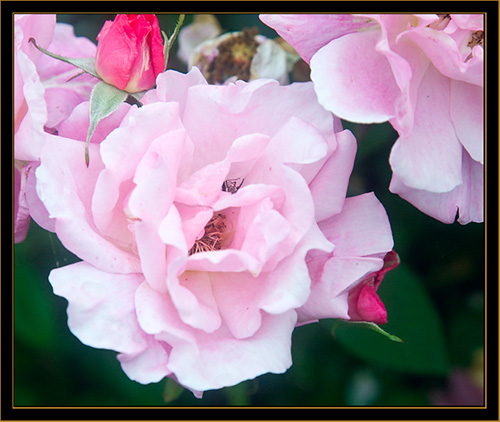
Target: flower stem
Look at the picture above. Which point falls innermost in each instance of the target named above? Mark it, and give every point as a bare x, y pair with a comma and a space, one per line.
170, 41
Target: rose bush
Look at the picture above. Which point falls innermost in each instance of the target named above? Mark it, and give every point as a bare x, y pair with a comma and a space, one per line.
423, 74
130, 52
44, 96
211, 221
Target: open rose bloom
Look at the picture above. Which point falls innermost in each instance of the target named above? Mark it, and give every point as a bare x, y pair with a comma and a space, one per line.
423, 74
211, 221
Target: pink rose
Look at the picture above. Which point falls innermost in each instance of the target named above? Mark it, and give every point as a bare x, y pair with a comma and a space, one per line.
43, 98
195, 222
130, 52
423, 74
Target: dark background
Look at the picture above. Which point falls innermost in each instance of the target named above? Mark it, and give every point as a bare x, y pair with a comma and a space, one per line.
435, 301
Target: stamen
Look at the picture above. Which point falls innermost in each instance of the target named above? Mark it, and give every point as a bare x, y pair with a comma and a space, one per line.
212, 238
442, 22
476, 38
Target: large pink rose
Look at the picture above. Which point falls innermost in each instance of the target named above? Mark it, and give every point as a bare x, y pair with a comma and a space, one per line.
44, 96
198, 221
130, 52
423, 74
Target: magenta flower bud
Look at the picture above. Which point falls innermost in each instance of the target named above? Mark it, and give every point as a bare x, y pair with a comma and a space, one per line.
130, 52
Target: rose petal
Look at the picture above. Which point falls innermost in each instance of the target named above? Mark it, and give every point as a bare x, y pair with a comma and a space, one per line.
147, 366
308, 33
101, 310
429, 157
65, 185
467, 113
329, 198
467, 198
360, 87
329, 292
362, 228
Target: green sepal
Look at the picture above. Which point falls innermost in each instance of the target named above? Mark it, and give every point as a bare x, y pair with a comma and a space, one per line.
104, 99
85, 64
370, 325
172, 391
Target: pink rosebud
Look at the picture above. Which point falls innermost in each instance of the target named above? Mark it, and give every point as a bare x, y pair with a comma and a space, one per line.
364, 303
130, 52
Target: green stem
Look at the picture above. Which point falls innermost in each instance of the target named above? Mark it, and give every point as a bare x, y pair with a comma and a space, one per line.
170, 41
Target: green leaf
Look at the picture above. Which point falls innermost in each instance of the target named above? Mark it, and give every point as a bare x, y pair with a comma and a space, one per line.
104, 100
413, 317
86, 64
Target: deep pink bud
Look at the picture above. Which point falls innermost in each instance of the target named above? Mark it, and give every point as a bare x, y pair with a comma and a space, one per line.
364, 303
130, 52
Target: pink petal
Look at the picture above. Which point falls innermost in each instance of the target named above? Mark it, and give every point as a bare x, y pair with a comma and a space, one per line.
76, 125
140, 127
408, 64
38, 26
101, 310
472, 22
147, 366
289, 147
173, 86
232, 111
288, 285
467, 198
29, 137
65, 43
219, 360
202, 312
443, 51
430, 156
329, 292
151, 251
308, 33
238, 298
228, 260
36, 207
359, 86
467, 113
329, 197
21, 212
116, 52
369, 306
362, 228
65, 186
156, 177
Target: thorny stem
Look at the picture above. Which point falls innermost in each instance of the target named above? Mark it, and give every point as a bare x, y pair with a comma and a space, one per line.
169, 41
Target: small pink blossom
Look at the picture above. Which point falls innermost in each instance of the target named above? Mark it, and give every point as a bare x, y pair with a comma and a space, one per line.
130, 52
423, 74
196, 221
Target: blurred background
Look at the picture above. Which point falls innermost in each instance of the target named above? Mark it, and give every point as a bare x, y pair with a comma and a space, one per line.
435, 302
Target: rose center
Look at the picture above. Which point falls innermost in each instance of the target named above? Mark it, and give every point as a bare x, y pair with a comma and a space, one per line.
213, 237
